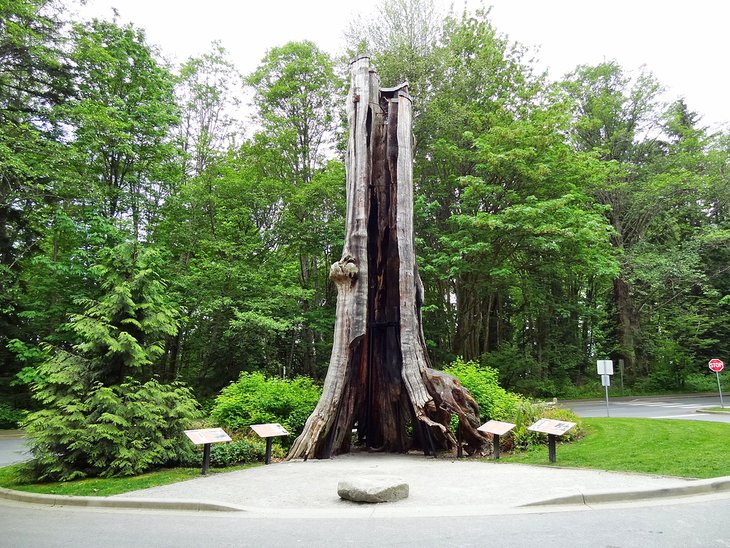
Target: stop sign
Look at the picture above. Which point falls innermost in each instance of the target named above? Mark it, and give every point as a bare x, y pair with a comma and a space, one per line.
716, 365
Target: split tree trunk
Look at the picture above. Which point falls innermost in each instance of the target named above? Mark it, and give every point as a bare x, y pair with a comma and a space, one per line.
379, 379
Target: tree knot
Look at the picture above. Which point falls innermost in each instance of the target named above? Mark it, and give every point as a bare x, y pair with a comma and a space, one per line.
344, 270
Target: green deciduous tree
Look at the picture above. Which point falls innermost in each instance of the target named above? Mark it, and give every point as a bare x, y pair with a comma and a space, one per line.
207, 93
514, 247
295, 93
676, 272
661, 167
110, 165
121, 122
617, 119
34, 79
237, 286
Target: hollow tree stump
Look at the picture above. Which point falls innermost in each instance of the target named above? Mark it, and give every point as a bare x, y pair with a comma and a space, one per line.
379, 378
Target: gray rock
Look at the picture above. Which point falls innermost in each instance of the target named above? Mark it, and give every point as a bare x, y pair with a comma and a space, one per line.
373, 489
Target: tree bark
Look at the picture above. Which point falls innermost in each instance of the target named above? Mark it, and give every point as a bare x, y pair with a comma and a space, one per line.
625, 325
379, 378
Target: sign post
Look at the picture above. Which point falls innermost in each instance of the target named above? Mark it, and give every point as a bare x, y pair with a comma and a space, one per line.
496, 428
717, 366
269, 431
553, 429
605, 370
205, 437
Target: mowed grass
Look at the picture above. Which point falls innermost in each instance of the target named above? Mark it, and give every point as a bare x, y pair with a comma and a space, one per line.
13, 477
688, 449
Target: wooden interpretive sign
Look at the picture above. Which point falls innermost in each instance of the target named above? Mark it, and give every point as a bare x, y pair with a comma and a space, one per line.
550, 426
553, 429
204, 437
207, 435
268, 431
496, 428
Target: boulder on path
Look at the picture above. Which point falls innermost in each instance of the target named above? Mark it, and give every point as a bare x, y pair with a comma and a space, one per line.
373, 489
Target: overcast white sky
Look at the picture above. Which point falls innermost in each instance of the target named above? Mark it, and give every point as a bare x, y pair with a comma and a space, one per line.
685, 44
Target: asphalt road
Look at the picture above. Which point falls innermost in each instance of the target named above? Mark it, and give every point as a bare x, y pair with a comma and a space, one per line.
701, 522
658, 407
12, 447
677, 522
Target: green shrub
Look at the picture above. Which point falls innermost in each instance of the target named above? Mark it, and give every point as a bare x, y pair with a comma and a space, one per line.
239, 451
528, 413
483, 383
10, 417
118, 430
255, 399
243, 451
497, 403
707, 382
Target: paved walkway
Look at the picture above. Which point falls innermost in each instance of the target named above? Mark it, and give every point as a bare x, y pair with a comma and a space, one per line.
442, 487
438, 487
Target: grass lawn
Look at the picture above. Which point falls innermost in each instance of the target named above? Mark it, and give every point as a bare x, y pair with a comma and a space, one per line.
689, 449
11, 477
717, 409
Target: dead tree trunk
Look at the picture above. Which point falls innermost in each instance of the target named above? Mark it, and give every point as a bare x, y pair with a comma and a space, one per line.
379, 378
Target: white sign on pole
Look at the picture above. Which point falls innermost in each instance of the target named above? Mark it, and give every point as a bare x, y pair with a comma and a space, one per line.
605, 370
605, 367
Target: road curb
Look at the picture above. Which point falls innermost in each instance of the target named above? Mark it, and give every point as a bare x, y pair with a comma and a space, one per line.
568, 403
710, 412
697, 487
111, 502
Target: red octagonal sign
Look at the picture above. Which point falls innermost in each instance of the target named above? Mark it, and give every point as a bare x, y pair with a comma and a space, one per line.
716, 365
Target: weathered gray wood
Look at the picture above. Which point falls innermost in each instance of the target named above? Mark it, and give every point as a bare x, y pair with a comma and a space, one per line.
415, 360
350, 273
379, 378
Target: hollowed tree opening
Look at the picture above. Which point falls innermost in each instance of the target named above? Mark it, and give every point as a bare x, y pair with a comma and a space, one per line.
379, 379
